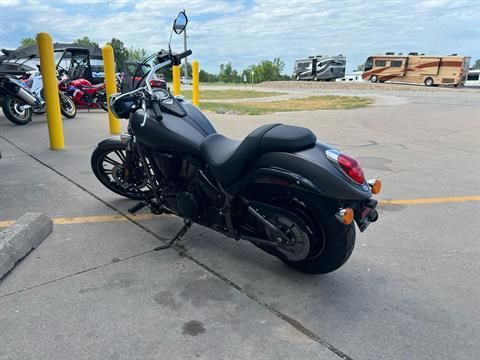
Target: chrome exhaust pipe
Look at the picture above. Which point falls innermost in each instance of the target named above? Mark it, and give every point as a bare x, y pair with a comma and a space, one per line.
26, 96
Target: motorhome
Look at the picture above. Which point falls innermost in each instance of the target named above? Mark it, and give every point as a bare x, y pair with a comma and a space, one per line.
473, 77
417, 69
320, 68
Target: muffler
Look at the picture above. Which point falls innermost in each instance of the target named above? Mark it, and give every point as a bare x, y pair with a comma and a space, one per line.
26, 96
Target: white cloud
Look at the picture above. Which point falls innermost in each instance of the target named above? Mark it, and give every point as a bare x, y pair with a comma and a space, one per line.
246, 32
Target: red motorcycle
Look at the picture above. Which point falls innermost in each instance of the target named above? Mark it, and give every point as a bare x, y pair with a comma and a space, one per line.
84, 93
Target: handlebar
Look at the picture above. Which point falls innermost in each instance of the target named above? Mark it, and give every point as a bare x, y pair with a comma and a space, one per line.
177, 58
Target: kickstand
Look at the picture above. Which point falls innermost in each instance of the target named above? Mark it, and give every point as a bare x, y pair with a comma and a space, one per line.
186, 226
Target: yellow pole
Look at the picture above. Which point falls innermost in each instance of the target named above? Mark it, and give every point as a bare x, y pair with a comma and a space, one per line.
195, 84
50, 88
176, 80
111, 86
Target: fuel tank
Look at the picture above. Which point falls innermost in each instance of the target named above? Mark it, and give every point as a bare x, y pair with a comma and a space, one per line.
172, 132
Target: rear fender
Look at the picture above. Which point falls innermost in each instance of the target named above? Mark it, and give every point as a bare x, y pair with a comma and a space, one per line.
309, 169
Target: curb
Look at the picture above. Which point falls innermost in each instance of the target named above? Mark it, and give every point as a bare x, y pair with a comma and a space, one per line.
19, 239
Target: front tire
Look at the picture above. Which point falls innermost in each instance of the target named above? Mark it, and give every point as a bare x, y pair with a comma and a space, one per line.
11, 109
374, 78
67, 106
107, 163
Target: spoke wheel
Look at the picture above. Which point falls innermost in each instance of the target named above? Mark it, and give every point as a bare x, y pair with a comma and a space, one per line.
108, 165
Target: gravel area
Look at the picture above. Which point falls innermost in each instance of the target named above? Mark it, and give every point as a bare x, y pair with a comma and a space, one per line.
359, 86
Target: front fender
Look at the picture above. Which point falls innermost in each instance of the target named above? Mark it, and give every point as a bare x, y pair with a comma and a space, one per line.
111, 141
319, 173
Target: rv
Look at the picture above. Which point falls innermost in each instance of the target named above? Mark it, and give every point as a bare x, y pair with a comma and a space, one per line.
473, 77
320, 68
417, 69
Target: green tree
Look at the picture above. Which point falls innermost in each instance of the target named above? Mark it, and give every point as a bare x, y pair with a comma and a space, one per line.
28, 41
85, 41
228, 74
267, 70
205, 76
477, 64
119, 51
359, 67
137, 54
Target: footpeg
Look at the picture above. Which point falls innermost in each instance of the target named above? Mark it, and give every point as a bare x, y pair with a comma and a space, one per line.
137, 207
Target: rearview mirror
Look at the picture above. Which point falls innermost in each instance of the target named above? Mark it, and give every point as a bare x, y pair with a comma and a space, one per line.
180, 22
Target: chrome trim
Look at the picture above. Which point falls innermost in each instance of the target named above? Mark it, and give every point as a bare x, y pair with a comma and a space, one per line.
124, 138
339, 215
332, 155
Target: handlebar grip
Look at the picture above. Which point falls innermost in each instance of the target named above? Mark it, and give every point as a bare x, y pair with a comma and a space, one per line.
184, 54
177, 59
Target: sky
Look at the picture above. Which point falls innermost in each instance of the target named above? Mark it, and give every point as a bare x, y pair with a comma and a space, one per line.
245, 32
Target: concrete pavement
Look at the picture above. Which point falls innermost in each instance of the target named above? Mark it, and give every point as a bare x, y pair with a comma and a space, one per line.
99, 290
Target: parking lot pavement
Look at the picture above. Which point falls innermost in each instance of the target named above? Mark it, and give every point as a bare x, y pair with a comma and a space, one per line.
410, 290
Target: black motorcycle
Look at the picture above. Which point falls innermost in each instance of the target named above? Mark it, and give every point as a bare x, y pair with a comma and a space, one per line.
279, 188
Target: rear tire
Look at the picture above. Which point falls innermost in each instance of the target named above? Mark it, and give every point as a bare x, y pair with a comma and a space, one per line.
331, 243
11, 109
102, 101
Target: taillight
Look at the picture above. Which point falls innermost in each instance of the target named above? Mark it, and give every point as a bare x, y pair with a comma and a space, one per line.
352, 168
349, 165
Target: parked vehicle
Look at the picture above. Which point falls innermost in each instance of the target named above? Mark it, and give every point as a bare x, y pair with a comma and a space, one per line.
289, 194
22, 98
186, 80
320, 68
354, 76
417, 69
473, 77
84, 93
33, 82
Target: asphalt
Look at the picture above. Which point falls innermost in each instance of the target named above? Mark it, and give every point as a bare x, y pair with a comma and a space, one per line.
101, 290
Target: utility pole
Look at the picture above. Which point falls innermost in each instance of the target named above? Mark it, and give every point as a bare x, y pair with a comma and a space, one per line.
185, 46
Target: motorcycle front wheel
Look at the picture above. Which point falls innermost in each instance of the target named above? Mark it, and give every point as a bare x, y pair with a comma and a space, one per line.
12, 108
67, 106
108, 165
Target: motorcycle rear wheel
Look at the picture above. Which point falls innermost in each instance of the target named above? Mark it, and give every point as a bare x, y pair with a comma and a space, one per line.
102, 100
330, 242
108, 165
11, 109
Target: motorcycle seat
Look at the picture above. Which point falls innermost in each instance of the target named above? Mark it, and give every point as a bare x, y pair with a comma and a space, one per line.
226, 157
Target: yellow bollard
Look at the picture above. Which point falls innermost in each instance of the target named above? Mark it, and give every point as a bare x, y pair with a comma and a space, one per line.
50, 88
195, 84
111, 86
176, 80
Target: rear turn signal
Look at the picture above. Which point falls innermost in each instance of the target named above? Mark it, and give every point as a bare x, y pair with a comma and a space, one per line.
375, 185
345, 216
